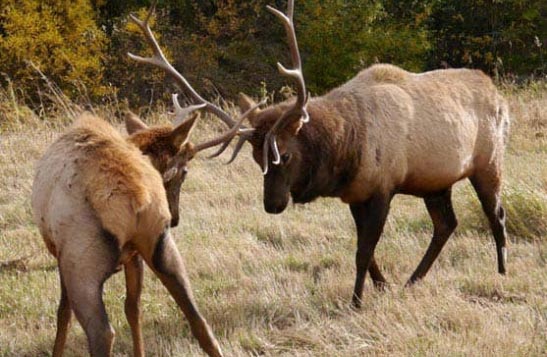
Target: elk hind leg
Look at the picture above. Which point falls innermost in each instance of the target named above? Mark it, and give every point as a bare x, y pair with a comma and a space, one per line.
487, 184
86, 301
84, 272
444, 220
64, 315
376, 275
167, 264
133, 281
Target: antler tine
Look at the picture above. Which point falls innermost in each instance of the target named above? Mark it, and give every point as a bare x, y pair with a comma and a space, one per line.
244, 135
159, 60
296, 72
298, 111
222, 148
238, 147
230, 134
290, 9
180, 112
270, 142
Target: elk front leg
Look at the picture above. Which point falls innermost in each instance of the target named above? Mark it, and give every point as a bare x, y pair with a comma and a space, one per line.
375, 273
369, 218
64, 314
133, 283
167, 264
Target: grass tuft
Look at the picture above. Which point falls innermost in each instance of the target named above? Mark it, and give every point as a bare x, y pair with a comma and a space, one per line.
526, 212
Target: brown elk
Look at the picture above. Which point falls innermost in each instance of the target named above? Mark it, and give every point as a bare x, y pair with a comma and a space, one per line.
102, 202
384, 132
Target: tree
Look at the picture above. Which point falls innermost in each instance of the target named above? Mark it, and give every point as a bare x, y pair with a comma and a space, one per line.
498, 36
332, 36
59, 37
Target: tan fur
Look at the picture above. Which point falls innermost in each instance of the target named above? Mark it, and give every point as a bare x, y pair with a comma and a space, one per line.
385, 73
100, 203
432, 129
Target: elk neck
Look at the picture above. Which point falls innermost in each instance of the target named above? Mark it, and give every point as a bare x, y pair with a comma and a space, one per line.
330, 149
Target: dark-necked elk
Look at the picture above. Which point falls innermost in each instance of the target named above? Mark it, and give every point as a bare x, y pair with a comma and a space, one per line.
102, 201
384, 132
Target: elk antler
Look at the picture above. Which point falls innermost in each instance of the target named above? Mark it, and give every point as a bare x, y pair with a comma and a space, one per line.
227, 137
296, 72
298, 111
159, 60
180, 112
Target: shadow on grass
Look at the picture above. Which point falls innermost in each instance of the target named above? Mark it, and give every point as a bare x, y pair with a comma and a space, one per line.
23, 264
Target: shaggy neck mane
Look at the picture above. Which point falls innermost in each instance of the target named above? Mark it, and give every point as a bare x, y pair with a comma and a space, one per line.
331, 154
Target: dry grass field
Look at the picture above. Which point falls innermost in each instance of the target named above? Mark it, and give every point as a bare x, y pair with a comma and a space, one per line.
281, 285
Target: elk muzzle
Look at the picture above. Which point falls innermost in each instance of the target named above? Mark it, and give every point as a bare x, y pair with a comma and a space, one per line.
172, 189
276, 206
174, 208
276, 191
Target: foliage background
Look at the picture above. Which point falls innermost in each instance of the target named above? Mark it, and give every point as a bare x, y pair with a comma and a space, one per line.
228, 46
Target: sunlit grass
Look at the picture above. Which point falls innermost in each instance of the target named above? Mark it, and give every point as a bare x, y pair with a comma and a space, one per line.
281, 285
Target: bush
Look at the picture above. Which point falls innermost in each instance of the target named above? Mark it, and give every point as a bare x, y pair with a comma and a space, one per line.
58, 37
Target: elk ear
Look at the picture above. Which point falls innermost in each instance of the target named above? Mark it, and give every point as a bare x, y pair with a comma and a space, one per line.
181, 133
294, 127
133, 123
246, 103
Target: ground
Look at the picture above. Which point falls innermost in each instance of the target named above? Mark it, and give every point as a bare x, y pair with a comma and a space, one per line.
281, 285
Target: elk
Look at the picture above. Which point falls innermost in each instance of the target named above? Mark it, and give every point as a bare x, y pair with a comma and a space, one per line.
385, 132
102, 202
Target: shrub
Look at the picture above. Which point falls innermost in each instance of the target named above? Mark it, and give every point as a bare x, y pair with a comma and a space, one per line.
58, 37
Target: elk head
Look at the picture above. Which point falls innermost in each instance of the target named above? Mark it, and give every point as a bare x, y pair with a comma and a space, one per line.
169, 151
168, 147
276, 147
280, 155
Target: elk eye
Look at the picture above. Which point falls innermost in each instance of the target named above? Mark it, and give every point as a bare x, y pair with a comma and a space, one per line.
285, 157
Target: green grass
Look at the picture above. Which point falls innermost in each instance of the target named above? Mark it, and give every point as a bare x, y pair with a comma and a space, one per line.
281, 285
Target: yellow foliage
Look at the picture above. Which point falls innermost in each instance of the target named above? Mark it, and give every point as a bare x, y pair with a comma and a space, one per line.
59, 37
